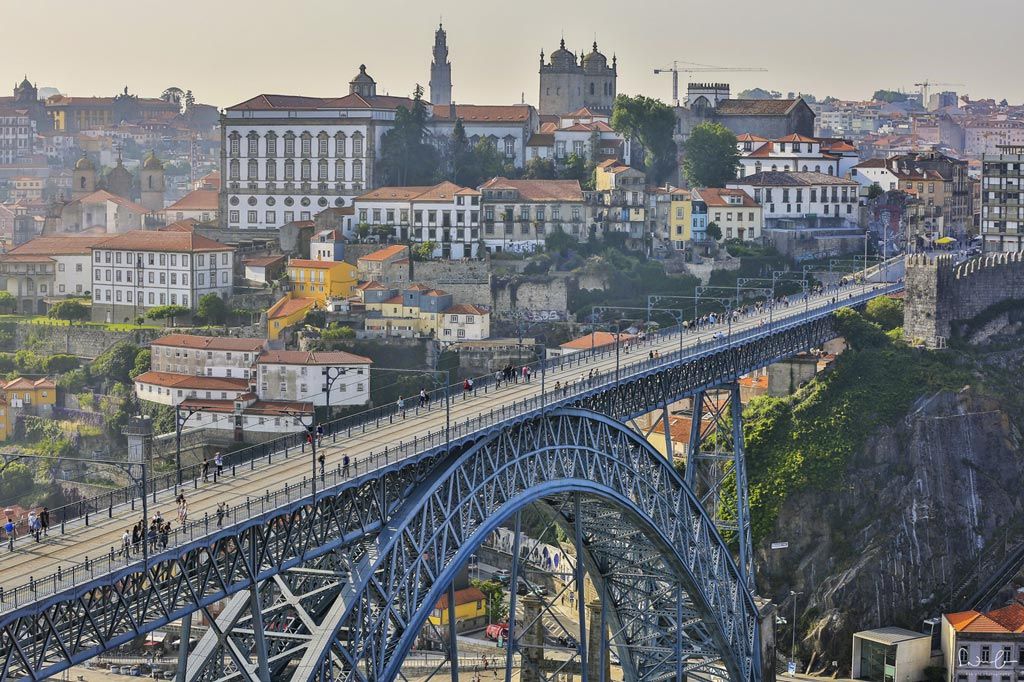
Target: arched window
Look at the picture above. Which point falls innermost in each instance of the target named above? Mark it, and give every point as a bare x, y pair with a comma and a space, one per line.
357, 171
805, 168
339, 171
830, 170
81, 182
233, 169
307, 169
774, 167
254, 169
289, 170
321, 144
339, 144
817, 168
271, 170
321, 171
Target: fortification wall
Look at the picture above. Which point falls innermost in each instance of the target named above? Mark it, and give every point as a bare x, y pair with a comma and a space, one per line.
940, 294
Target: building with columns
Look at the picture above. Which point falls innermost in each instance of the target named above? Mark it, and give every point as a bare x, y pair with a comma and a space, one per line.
440, 70
286, 158
568, 83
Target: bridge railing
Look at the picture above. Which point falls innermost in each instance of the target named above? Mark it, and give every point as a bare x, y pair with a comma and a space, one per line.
111, 559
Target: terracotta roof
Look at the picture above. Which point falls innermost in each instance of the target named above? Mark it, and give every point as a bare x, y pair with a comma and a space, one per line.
416, 286
541, 140
263, 261
484, 113
548, 127
289, 306
465, 309
716, 196
538, 190
102, 196
372, 284
1010, 617
187, 381
796, 138
210, 342
1004, 620
755, 107
154, 240
466, 595
583, 112
596, 340
350, 101
790, 179
436, 292
315, 264
748, 137
762, 152
23, 384
25, 258
69, 245
395, 299
185, 225
197, 200
441, 192
299, 357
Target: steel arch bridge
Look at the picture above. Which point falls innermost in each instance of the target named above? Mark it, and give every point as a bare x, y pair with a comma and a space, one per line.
335, 589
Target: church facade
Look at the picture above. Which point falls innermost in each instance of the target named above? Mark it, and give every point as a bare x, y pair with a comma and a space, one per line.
568, 83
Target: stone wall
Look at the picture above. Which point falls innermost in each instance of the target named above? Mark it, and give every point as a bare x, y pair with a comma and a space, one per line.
940, 294
468, 281
85, 342
535, 298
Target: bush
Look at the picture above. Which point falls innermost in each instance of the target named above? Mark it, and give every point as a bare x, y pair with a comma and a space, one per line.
116, 363
886, 312
211, 309
70, 310
59, 364
167, 312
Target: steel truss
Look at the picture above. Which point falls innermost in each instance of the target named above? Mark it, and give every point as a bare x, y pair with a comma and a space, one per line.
338, 589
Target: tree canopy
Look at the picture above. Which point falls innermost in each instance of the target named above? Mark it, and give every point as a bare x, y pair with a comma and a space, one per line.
8, 303
406, 157
890, 96
711, 156
69, 310
211, 309
652, 123
167, 312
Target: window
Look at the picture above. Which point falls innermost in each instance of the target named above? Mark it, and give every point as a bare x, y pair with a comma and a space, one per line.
357, 170
986, 653
254, 144
235, 145
271, 170
252, 217
271, 217
271, 144
307, 144
357, 144
289, 144
233, 170
321, 144
339, 144
289, 170
510, 147
339, 171
322, 174
307, 169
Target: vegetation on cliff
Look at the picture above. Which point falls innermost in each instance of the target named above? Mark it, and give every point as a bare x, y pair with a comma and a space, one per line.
806, 440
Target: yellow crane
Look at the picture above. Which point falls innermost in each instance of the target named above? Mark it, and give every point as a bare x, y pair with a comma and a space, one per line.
693, 67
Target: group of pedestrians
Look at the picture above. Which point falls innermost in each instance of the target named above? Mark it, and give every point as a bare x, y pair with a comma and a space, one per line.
218, 462
156, 535
38, 527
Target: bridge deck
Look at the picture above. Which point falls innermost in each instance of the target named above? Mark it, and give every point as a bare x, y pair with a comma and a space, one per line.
41, 560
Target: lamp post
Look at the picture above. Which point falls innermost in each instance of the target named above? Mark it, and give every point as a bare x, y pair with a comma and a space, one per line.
179, 424
300, 418
676, 313
333, 373
792, 648
618, 339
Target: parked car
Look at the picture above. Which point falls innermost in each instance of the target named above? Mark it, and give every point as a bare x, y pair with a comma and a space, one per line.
502, 576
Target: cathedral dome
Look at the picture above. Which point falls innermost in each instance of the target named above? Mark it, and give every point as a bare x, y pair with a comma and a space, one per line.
152, 163
363, 85
84, 164
595, 60
562, 56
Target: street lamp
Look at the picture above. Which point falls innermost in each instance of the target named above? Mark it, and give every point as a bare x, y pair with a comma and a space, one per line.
792, 649
300, 418
179, 424
333, 373
618, 339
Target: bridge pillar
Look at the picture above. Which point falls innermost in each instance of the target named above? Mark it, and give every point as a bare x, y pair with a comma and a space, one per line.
715, 455
597, 644
531, 642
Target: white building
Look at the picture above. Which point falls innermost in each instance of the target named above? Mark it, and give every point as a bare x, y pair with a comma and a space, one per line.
17, 131
302, 376
465, 322
890, 654
519, 214
144, 269
101, 210
1002, 200
199, 204
286, 158
876, 172
802, 199
167, 388
983, 647
71, 257
246, 414
446, 214
789, 153
584, 133
507, 127
209, 356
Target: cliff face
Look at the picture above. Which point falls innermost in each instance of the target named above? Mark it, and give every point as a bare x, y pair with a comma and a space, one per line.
920, 505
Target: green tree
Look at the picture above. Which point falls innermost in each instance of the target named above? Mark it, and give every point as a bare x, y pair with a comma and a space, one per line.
406, 158
16, 481
424, 250
8, 304
167, 312
886, 312
460, 157
74, 381
714, 231
486, 162
759, 93
69, 310
652, 123
142, 363
540, 169
875, 191
116, 363
711, 156
60, 363
889, 96
558, 241
578, 168
211, 309
494, 592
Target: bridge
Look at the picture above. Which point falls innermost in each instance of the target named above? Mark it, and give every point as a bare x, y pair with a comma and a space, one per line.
341, 584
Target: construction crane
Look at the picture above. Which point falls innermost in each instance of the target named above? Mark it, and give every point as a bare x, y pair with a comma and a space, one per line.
693, 67
924, 85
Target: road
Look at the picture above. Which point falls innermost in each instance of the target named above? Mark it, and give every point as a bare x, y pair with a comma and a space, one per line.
38, 560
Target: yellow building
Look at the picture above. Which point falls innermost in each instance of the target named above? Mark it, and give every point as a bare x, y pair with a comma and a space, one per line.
6, 422
735, 212
470, 609
680, 217
288, 311
30, 394
418, 310
321, 280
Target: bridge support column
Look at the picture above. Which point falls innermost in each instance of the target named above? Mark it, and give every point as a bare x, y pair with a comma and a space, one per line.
716, 454
598, 663
531, 643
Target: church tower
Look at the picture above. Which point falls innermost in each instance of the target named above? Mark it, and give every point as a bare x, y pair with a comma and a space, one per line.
440, 70
83, 178
151, 182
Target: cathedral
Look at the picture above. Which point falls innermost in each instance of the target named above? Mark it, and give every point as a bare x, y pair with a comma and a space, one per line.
568, 83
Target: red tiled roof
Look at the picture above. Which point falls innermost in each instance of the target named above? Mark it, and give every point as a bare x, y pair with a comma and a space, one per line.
102, 195
25, 258
185, 225
538, 190
372, 284
466, 595
64, 245
790, 179
299, 357
350, 101
289, 306
263, 261
796, 138
484, 113
23, 384
187, 381
755, 107
465, 309
748, 137
395, 299
197, 200
596, 340
197, 342
441, 192
715, 196
1008, 619
541, 140
155, 240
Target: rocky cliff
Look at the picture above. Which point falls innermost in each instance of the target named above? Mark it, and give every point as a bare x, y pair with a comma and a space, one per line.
895, 534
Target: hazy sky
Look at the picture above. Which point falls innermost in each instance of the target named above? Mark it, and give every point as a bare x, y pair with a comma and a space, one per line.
225, 51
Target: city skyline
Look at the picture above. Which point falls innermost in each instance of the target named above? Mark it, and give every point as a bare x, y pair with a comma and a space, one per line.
877, 52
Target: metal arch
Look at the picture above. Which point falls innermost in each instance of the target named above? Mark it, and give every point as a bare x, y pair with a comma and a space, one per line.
396, 586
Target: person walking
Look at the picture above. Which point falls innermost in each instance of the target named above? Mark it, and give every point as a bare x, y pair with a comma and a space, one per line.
218, 460
11, 532
34, 526
126, 543
165, 530
320, 436
44, 519
401, 406
221, 511
206, 471
323, 463
151, 536
136, 538
344, 465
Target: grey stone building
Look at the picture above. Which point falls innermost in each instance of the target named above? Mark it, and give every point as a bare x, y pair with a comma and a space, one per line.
568, 83
767, 118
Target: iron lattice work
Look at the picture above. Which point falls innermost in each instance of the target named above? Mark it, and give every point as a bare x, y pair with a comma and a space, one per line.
271, 550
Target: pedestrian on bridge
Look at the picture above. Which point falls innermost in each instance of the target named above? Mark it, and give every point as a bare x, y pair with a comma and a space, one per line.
151, 535
206, 471
344, 465
221, 511
165, 530
136, 538
401, 406
218, 459
44, 518
319, 435
126, 543
34, 526
320, 458
12, 533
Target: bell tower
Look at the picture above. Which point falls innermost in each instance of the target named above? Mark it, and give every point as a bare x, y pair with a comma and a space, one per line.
440, 70
151, 183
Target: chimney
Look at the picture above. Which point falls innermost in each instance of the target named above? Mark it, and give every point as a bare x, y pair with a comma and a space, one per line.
451, 111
